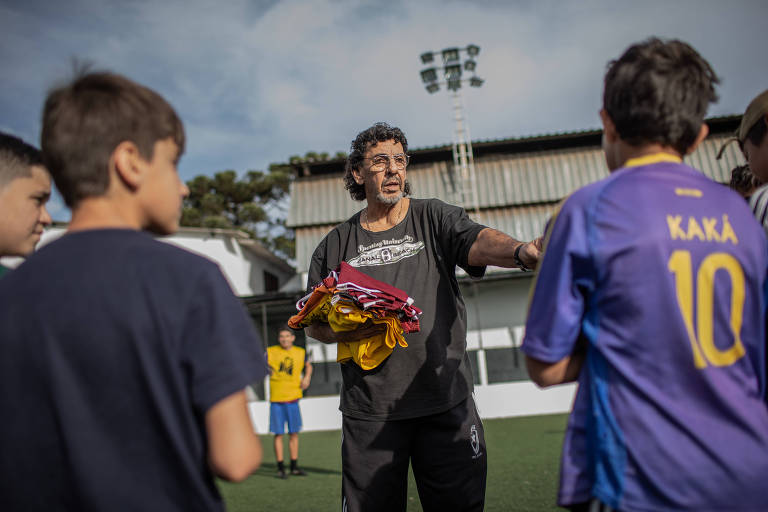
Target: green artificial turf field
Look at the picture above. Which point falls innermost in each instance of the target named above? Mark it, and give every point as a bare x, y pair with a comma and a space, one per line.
523, 462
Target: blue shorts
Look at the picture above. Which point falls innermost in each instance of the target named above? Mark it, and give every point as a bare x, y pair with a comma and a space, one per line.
281, 413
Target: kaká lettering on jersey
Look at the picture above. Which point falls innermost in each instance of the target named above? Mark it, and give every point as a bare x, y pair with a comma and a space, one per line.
703, 229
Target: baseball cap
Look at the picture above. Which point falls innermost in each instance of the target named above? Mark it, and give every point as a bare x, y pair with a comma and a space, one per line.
757, 108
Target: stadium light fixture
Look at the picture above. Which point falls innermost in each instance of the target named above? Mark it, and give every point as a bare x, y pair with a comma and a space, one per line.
451, 55
429, 75
463, 160
476, 81
454, 84
452, 71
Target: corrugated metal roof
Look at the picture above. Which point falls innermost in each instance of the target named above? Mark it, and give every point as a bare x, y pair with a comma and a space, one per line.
517, 145
523, 138
306, 243
503, 180
522, 222
705, 158
713, 122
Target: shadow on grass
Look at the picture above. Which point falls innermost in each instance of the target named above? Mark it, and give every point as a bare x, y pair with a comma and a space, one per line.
270, 471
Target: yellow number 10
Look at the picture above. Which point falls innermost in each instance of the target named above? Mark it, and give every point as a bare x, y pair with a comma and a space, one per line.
704, 346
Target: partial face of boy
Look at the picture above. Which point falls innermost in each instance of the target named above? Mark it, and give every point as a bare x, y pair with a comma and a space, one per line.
22, 212
757, 157
387, 184
163, 191
286, 339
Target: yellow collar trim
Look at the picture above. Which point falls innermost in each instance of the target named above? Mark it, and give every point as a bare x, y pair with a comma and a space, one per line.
652, 159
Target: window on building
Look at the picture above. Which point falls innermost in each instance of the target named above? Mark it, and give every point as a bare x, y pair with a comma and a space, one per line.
505, 365
270, 282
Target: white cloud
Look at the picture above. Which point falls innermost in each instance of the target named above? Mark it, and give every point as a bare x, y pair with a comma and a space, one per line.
256, 82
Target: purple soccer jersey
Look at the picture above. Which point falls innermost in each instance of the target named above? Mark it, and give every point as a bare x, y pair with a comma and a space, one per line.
659, 273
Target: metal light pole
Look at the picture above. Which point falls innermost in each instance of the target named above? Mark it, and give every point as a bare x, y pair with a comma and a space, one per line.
463, 176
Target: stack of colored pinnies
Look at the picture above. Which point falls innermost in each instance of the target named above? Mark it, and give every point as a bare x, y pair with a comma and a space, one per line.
347, 298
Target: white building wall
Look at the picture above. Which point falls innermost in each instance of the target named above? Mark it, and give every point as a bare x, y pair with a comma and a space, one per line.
227, 253
243, 270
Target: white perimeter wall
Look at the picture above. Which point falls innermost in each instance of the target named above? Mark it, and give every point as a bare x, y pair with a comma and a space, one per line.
493, 401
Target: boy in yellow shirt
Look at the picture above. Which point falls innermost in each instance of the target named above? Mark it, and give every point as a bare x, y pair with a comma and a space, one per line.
286, 384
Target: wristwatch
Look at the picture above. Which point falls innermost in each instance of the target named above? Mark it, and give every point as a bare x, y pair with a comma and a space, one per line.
518, 261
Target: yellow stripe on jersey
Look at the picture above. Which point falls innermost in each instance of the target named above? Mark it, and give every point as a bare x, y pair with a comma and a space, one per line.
663, 157
652, 159
688, 192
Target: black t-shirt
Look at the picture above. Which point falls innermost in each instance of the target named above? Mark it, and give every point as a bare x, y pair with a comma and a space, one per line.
113, 347
419, 256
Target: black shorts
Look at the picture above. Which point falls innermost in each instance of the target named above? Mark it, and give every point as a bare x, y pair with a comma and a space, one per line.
446, 450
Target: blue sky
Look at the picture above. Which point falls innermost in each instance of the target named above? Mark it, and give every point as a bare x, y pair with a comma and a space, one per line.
258, 81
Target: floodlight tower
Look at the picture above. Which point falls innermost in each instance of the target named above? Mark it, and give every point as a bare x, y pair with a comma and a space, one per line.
463, 175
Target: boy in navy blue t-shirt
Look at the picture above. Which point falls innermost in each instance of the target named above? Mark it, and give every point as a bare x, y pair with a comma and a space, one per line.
123, 359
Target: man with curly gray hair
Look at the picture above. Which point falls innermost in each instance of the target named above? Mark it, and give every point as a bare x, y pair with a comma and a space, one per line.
415, 407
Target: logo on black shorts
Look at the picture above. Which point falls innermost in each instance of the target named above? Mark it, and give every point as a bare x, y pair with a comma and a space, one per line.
474, 441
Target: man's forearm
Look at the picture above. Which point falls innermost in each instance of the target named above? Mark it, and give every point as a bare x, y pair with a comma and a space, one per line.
322, 332
492, 247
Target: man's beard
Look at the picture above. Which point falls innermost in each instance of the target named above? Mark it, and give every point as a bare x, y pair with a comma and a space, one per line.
380, 197
393, 199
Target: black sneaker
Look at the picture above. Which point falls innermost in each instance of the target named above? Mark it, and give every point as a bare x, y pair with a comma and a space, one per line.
281, 474
298, 472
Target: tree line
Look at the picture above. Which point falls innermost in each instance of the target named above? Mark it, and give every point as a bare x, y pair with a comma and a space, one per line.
256, 203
